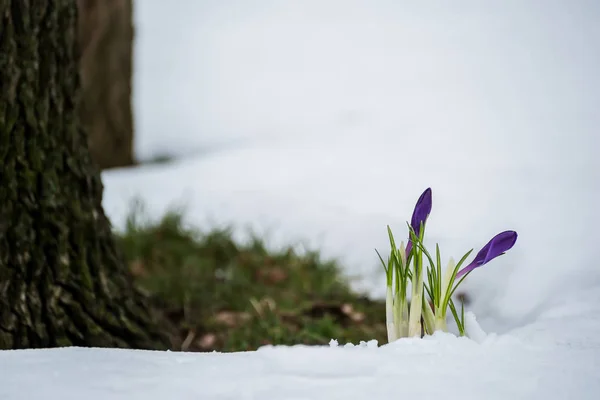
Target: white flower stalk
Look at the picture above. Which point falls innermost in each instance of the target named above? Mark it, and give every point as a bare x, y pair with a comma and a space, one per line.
428, 317
401, 317
395, 289
396, 304
414, 318
392, 332
445, 289
400, 301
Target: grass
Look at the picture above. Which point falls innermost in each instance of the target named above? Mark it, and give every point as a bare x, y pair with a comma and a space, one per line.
216, 294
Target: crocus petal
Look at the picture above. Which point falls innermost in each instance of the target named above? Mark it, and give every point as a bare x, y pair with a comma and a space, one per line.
422, 210
420, 214
499, 244
408, 248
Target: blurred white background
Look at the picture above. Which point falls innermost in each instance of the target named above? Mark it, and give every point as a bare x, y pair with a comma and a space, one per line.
324, 120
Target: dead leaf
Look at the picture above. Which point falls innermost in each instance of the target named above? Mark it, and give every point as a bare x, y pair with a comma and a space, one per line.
272, 275
137, 269
231, 318
349, 311
207, 341
265, 303
188, 340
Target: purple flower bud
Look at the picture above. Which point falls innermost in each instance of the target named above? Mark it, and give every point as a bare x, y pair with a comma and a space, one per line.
420, 214
499, 244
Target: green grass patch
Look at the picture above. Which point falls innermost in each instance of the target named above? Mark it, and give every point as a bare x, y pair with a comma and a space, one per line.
216, 294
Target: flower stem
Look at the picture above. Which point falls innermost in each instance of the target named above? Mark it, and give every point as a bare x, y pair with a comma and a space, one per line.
414, 321
428, 318
389, 315
440, 323
401, 316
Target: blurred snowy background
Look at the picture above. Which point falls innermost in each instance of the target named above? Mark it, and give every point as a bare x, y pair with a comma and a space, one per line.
322, 121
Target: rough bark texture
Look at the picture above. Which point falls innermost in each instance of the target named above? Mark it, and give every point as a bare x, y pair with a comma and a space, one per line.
106, 44
62, 279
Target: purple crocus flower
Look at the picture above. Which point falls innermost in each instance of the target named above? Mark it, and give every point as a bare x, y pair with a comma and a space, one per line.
499, 244
420, 214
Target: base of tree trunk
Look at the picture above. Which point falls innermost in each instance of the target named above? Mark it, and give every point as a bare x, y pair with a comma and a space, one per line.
63, 281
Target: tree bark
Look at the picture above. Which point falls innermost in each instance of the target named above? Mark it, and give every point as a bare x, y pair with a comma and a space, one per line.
62, 279
106, 44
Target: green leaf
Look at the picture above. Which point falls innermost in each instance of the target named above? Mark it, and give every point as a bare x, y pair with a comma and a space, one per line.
459, 282
431, 289
438, 258
462, 260
462, 314
459, 323
391, 236
451, 282
382, 262
427, 290
434, 281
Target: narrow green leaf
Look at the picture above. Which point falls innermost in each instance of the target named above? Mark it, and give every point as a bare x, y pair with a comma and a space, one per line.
427, 290
383, 262
462, 260
459, 323
431, 281
392, 241
462, 315
438, 258
459, 282
453, 277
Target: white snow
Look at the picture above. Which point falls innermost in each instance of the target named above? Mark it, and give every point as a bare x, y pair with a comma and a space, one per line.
518, 366
472, 328
319, 122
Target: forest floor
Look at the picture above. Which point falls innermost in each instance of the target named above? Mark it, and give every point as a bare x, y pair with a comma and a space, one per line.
217, 294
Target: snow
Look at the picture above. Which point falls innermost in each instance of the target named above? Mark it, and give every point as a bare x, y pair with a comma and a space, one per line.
319, 122
440, 366
472, 328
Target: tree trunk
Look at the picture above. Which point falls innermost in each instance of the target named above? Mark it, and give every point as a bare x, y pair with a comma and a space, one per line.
62, 279
106, 45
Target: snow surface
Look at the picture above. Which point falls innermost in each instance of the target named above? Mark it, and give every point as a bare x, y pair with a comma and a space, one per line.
555, 358
319, 122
